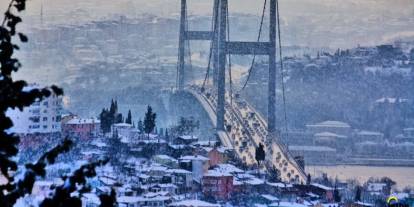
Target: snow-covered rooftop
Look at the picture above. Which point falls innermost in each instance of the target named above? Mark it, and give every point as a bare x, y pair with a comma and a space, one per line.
216, 173
280, 185
270, 197
188, 137
179, 171
369, 133
311, 148
165, 157
122, 125
391, 100
336, 124
329, 134
287, 204
194, 157
229, 168
194, 203
83, 121
324, 187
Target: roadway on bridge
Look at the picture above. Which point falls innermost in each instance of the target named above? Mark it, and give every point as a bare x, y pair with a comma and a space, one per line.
245, 129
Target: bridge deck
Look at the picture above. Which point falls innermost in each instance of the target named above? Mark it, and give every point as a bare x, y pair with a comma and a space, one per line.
245, 129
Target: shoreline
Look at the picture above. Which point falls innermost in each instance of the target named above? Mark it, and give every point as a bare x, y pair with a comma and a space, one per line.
376, 162
402, 175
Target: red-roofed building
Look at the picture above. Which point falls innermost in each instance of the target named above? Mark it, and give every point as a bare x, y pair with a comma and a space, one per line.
81, 128
218, 184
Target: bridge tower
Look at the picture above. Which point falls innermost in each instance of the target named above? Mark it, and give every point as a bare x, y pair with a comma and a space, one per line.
221, 48
246, 48
187, 35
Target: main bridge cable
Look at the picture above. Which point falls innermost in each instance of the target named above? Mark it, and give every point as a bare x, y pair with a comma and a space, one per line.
258, 40
282, 72
229, 57
213, 28
188, 43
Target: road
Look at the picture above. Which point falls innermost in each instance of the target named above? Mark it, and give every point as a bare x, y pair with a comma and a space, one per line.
245, 130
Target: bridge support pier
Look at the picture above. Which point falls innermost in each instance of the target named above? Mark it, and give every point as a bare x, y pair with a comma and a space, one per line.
181, 45
221, 73
271, 107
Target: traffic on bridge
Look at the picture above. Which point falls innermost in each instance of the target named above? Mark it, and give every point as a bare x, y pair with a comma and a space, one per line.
245, 129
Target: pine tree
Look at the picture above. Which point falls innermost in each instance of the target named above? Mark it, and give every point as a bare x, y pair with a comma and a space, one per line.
260, 154
167, 136
128, 120
118, 119
358, 194
308, 179
112, 109
337, 196
149, 120
140, 126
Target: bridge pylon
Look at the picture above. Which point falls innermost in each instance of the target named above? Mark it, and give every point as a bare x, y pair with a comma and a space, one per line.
221, 47
187, 35
246, 48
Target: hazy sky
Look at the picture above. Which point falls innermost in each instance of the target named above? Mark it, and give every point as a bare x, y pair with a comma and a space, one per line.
103, 8
381, 19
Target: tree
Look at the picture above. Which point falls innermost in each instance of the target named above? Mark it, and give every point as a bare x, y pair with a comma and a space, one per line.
118, 118
110, 116
140, 126
13, 95
106, 120
149, 120
260, 153
274, 174
390, 183
358, 193
128, 120
186, 126
336, 195
308, 179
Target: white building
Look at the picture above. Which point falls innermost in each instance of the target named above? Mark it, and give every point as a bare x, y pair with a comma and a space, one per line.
199, 165
336, 127
368, 136
40, 117
315, 154
126, 132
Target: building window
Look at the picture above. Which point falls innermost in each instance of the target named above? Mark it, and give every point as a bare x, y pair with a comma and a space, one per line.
44, 118
44, 126
34, 119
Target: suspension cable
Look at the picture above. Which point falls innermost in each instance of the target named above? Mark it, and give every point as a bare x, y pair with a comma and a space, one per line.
188, 42
229, 57
213, 29
258, 40
282, 72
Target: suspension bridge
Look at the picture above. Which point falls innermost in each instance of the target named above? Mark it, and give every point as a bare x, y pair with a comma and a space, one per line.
238, 124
